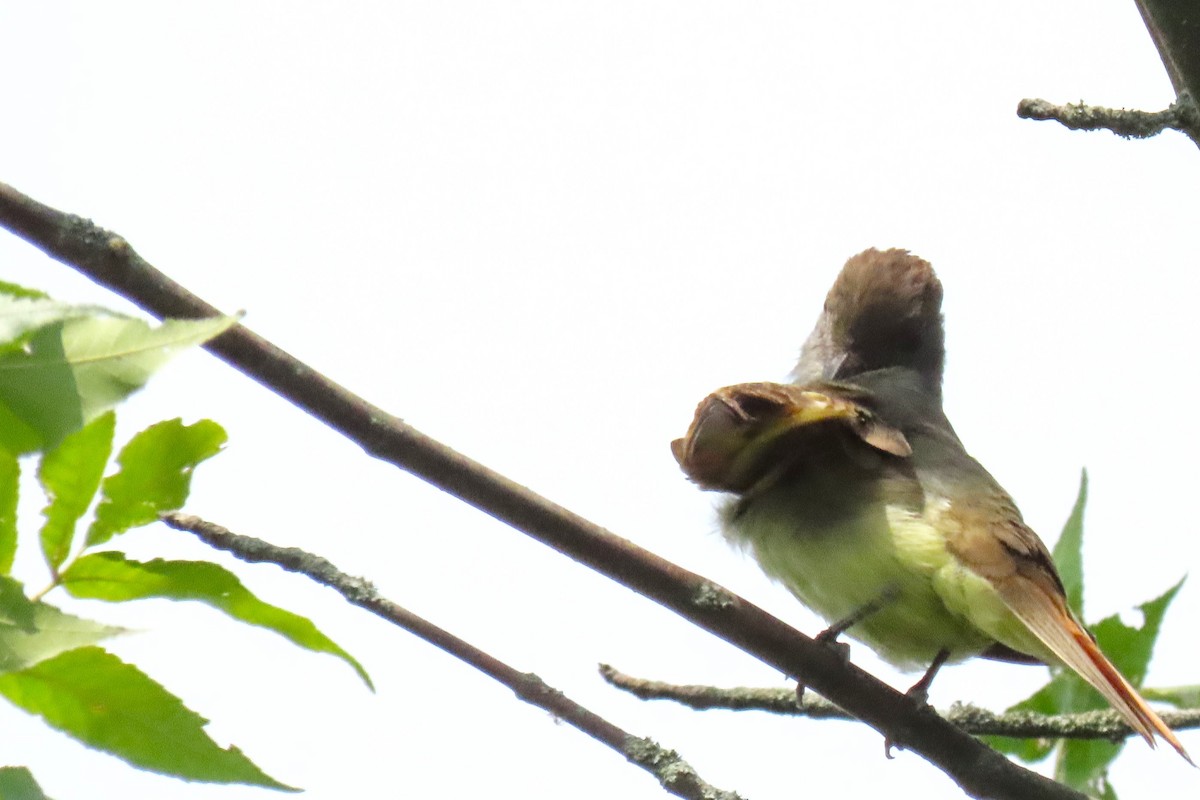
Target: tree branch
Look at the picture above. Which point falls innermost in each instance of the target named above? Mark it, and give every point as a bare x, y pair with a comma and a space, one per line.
109, 260
673, 773
1182, 115
1103, 724
1174, 26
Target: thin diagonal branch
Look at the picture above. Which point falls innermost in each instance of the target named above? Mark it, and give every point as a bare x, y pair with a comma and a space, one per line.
1102, 724
673, 773
109, 260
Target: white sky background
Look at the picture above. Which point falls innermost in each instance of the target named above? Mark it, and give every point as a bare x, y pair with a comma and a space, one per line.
541, 232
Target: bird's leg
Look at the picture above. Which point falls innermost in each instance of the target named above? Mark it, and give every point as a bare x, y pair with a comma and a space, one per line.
920, 690
829, 636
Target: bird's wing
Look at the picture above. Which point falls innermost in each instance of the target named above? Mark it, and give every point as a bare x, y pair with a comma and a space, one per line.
1017, 564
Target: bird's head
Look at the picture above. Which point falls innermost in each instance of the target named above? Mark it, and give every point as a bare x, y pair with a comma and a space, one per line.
742, 432
884, 310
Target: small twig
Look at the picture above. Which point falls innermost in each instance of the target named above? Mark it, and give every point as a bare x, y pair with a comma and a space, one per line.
705, 698
1181, 116
1101, 724
1173, 28
673, 773
110, 261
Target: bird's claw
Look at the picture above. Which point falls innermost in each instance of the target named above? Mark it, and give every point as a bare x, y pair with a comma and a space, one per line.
888, 744
919, 691
829, 638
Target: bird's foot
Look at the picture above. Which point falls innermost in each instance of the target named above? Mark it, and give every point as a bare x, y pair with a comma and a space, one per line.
827, 638
919, 691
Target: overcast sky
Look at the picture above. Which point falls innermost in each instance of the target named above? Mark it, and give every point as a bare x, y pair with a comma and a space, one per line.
541, 232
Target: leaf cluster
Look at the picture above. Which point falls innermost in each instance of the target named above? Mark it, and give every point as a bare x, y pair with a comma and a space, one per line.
62, 370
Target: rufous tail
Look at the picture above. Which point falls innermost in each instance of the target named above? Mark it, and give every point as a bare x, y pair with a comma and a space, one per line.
1047, 616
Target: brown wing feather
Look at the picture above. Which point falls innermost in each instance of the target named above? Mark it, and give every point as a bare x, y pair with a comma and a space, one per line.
991, 540
1045, 613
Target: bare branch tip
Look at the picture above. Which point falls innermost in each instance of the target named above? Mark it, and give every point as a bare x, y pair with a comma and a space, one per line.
1124, 122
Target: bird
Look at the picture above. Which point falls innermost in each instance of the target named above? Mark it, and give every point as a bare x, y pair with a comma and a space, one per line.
850, 487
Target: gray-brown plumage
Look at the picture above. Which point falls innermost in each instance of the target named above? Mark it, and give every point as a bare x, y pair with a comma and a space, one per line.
884, 310
851, 485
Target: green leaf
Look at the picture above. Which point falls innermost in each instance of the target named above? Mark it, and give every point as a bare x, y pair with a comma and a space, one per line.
31, 631
15, 608
16, 290
113, 706
67, 372
17, 783
23, 310
1068, 551
1102, 790
1083, 764
155, 475
114, 357
1048, 700
10, 474
1130, 649
111, 576
1178, 696
70, 475
37, 388
16, 436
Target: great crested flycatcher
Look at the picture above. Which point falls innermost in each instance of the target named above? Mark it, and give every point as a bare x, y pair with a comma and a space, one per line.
851, 488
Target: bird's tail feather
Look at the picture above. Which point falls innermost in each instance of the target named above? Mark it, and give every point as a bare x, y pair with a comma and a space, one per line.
1054, 625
